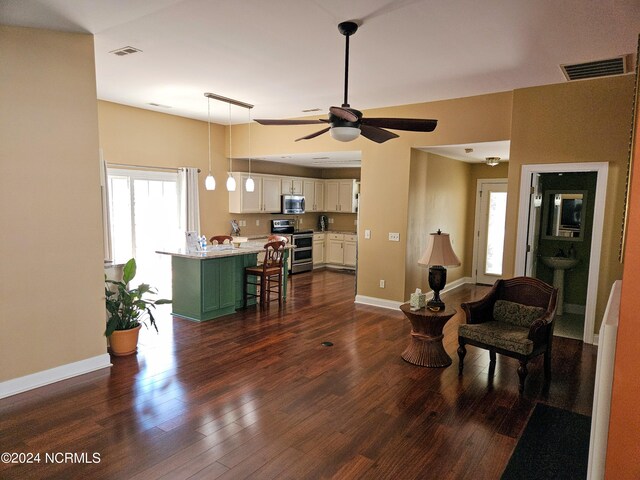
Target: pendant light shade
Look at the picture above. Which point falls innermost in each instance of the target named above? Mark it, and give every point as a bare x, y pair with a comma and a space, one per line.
250, 185
231, 183
209, 182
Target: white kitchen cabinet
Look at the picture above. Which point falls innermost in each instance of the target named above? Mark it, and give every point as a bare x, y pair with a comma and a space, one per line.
292, 186
340, 196
313, 191
264, 199
319, 242
335, 248
350, 245
271, 192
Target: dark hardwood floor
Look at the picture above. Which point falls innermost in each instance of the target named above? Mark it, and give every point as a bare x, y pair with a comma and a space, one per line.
256, 395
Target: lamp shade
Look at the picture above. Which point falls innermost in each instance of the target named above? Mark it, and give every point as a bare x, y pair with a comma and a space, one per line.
344, 134
439, 251
210, 182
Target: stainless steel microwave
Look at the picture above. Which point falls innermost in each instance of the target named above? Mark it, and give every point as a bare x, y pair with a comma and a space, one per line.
292, 204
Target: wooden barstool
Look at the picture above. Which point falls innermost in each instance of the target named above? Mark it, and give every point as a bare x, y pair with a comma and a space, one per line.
265, 275
220, 239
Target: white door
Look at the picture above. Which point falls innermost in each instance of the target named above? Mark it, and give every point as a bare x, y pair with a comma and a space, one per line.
144, 218
533, 235
490, 226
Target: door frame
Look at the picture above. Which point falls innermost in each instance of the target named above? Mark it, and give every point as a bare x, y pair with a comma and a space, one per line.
602, 170
476, 224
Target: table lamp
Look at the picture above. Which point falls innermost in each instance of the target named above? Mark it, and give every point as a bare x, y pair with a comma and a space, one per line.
437, 255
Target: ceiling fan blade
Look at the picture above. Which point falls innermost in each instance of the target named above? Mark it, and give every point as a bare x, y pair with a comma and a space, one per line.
287, 122
376, 134
314, 135
409, 124
344, 114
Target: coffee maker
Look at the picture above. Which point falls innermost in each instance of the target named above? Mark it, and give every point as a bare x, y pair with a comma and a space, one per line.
323, 223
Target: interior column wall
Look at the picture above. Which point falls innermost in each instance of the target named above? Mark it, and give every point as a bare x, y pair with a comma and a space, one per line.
52, 276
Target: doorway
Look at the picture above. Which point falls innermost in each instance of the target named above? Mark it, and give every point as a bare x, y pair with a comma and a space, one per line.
143, 209
488, 245
529, 223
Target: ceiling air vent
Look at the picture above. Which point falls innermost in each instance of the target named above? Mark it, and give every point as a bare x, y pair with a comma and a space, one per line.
598, 68
121, 52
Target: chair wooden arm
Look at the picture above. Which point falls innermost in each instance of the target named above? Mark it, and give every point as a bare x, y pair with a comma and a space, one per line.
539, 330
481, 311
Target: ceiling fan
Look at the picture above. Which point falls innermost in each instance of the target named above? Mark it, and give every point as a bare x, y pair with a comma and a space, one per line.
346, 123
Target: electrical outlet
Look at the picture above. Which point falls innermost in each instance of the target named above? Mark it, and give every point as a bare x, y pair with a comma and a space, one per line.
257, 223
394, 237
381, 283
367, 234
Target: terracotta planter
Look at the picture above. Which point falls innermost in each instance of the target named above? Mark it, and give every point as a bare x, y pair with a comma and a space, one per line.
124, 342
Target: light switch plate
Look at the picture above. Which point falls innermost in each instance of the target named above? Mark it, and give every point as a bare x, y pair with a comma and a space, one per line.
394, 237
367, 234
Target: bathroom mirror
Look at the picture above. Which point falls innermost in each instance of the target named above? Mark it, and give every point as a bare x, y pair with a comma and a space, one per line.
563, 215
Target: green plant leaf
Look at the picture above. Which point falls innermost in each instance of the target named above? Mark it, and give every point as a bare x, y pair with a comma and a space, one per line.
129, 271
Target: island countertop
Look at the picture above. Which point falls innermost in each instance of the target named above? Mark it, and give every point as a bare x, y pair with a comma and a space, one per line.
211, 284
213, 252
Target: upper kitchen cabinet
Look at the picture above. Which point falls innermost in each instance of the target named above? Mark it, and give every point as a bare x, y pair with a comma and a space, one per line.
264, 199
292, 186
340, 196
313, 191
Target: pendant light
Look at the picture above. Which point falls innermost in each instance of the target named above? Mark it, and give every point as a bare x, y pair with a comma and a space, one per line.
231, 182
250, 185
210, 181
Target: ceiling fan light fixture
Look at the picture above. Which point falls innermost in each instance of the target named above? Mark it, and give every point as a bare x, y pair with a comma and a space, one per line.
492, 161
344, 134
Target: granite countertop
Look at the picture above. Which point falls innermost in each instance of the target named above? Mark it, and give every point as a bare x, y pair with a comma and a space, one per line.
244, 249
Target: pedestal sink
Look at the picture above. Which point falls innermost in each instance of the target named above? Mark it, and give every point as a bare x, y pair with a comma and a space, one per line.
559, 265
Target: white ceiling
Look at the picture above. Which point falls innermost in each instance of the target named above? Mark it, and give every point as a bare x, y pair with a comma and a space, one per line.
285, 56
478, 154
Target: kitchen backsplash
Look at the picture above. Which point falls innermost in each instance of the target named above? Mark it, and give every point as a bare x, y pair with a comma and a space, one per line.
341, 222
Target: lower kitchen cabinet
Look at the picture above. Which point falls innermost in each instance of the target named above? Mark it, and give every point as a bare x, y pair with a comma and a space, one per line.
350, 246
335, 248
319, 243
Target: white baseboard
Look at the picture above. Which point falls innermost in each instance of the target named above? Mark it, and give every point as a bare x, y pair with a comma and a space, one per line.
394, 305
574, 308
378, 302
39, 379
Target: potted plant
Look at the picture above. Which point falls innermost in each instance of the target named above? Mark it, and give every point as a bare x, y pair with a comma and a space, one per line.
127, 310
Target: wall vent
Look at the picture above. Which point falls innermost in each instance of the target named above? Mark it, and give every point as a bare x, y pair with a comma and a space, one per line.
598, 68
121, 52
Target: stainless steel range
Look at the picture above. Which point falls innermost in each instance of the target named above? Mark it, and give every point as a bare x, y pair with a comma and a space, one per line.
302, 257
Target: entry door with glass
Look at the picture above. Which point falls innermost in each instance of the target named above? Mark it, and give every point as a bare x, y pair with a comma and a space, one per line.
490, 227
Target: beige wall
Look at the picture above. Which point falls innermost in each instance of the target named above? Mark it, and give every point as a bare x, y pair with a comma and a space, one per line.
135, 136
51, 279
384, 188
438, 199
586, 121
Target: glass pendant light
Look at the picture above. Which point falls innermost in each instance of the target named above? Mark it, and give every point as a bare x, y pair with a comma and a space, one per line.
210, 181
231, 182
250, 185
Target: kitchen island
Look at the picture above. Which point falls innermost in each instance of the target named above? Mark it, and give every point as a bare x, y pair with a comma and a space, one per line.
209, 284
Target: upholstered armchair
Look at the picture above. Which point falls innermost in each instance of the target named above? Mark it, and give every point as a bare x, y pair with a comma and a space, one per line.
515, 319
